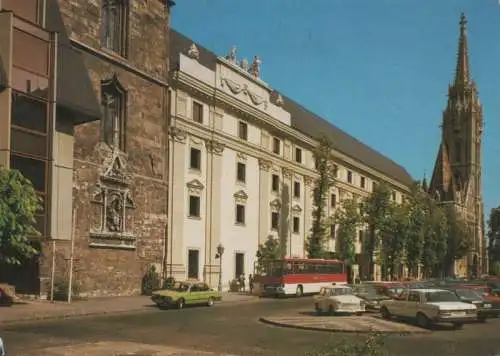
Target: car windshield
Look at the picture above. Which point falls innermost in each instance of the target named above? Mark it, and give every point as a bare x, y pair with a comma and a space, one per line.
341, 291
179, 287
367, 290
443, 296
467, 294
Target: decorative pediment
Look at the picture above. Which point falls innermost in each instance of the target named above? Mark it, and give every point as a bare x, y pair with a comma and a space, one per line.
115, 171
195, 186
275, 204
240, 196
237, 89
241, 156
296, 209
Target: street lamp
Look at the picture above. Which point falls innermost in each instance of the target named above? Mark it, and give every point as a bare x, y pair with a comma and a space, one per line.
220, 253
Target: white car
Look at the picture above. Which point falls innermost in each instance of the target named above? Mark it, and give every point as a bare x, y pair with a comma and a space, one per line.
338, 299
430, 306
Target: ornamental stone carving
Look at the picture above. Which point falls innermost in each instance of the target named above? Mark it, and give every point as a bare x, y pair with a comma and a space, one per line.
214, 147
287, 173
241, 197
308, 181
112, 205
178, 134
275, 205
279, 100
195, 187
231, 57
241, 157
237, 89
296, 209
193, 52
255, 67
265, 165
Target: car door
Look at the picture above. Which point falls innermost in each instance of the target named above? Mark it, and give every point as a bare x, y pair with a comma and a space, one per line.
320, 298
396, 306
193, 294
204, 293
413, 304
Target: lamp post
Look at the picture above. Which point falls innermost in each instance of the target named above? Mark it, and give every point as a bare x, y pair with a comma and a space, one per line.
220, 253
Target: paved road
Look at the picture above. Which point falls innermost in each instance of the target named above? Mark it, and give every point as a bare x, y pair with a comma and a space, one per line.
234, 329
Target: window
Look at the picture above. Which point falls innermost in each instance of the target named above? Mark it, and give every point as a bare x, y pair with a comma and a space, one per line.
29, 113
394, 196
332, 231
333, 200
275, 183
349, 177
32, 169
458, 151
113, 101
275, 216
296, 224
197, 112
276, 146
114, 26
240, 214
194, 206
362, 182
298, 155
360, 236
296, 189
27, 9
195, 159
243, 130
241, 170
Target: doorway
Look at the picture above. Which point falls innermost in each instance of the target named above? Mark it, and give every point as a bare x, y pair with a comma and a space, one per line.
193, 264
239, 265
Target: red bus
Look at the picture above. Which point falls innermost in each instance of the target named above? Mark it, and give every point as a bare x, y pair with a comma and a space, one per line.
293, 276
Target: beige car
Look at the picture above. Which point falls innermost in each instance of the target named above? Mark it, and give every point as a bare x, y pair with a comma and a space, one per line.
338, 299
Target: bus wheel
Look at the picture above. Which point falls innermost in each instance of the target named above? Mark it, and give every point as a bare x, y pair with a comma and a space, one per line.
299, 291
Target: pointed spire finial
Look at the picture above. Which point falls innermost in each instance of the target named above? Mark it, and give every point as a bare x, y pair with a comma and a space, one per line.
462, 75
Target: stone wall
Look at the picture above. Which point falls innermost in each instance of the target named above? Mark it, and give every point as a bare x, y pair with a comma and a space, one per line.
108, 269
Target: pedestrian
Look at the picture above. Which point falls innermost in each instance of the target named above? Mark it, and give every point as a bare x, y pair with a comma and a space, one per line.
250, 283
357, 280
242, 283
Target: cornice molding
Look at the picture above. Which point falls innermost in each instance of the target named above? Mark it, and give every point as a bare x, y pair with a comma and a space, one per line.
217, 96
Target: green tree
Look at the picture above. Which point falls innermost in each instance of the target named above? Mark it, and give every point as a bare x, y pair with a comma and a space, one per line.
416, 204
18, 206
268, 251
375, 211
458, 240
394, 235
435, 239
348, 220
494, 236
326, 170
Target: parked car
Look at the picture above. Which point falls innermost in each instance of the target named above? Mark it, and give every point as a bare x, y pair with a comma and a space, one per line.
181, 294
5, 299
485, 308
390, 289
370, 294
338, 299
429, 306
2, 348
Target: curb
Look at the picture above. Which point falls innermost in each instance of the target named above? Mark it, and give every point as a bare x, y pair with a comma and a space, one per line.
75, 315
335, 330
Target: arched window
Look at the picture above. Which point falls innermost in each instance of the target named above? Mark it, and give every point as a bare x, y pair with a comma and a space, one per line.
114, 103
114, 26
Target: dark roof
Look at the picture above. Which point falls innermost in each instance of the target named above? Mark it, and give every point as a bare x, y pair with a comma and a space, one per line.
74, 88
305, 121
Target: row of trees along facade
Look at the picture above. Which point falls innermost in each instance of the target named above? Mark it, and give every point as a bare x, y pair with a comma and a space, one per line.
415, 238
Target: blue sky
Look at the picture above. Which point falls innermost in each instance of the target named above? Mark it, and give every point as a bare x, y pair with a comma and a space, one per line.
377, 69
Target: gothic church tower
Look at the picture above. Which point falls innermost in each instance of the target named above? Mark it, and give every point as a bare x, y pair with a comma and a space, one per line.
456, 178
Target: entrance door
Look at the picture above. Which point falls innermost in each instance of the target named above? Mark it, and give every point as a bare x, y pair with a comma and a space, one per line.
239, 265
193, 264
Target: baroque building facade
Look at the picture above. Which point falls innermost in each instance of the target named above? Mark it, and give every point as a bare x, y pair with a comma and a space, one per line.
86, 96
456, 178
242, 166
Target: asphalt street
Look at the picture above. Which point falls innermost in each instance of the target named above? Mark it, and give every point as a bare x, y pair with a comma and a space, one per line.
235, 329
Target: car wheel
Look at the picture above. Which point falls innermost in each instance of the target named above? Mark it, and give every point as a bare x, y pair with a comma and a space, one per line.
180, 303
210, 302
331, 310
458, 326
385, 313
299, 291
422, 320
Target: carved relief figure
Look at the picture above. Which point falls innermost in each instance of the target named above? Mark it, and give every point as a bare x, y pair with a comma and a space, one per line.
255, 68
114, 214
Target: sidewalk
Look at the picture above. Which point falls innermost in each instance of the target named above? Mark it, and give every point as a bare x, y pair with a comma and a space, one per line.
39, 310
